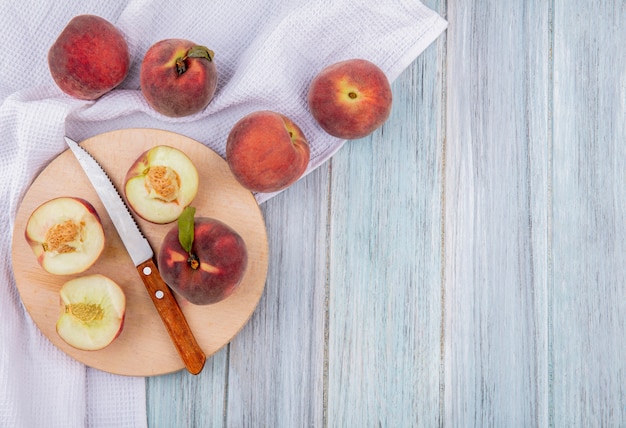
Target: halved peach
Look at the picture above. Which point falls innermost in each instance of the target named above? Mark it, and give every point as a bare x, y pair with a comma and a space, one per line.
92, 312
66, 235
161, 183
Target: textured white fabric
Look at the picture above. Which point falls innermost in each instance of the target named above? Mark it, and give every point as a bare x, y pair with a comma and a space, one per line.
266, 54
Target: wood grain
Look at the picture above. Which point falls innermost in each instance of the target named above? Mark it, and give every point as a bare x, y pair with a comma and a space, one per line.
183, 400
496, 236
589, 208
277, 363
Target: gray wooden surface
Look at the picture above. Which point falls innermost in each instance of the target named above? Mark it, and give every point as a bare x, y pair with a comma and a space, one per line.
463, 266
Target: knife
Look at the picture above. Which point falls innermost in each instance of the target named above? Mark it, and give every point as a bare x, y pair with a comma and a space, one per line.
142, 256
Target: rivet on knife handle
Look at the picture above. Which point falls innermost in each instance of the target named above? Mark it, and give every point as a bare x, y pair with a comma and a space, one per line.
172, 316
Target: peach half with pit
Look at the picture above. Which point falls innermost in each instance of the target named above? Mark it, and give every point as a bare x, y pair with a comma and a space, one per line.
160, 183
92, 312
66, 235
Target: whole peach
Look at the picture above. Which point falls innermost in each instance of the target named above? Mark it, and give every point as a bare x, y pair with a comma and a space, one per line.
350, 99
89, 58
266, 151
213, 268
177, 77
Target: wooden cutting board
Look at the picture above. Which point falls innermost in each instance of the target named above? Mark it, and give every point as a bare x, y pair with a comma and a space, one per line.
144, 347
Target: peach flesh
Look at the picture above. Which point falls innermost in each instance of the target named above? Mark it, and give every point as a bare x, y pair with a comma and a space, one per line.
66, 235
93, 312
160, 183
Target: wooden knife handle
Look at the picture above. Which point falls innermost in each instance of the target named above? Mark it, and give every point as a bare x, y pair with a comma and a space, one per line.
173, 318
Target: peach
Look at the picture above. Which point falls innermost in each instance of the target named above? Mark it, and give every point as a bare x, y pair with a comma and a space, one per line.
350, 99
177, 77
89, 58
93, 308
66, 235
161, 183
213, 267
266, 151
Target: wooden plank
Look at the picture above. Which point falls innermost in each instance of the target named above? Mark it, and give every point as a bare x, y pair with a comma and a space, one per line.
385, 263
183, 400
589, 297
496, 226
276, 366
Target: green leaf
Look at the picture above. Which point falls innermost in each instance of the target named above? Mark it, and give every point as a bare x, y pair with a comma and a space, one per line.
185, 228
200, 52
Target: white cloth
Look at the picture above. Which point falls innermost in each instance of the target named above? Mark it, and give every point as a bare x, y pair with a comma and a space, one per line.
266, 54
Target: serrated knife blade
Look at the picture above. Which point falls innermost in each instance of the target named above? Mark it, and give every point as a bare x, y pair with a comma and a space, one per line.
136, 244
142, 255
